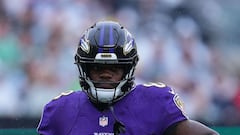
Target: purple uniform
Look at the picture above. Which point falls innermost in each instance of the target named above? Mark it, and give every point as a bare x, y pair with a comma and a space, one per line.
147, 109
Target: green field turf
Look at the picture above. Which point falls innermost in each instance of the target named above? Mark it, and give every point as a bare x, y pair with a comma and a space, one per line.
31, 131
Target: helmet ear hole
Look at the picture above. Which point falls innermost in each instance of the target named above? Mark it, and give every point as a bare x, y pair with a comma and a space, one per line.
127, 69
76, 58
127, 86
84, 85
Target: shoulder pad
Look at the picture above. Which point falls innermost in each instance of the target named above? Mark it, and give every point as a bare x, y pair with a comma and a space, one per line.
63, 94
160, 85
157, 84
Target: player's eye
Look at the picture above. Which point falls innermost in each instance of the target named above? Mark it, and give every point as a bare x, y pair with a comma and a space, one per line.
116, 68
113, 68
95, 68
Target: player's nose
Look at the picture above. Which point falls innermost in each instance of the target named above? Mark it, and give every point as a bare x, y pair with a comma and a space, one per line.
106, 74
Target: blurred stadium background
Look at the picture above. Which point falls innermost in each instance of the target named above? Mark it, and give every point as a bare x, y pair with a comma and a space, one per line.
190, 45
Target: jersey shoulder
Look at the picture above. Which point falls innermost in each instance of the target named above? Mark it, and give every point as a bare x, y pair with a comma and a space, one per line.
160, 93
63, 94
155, 88
58, 113
68, 97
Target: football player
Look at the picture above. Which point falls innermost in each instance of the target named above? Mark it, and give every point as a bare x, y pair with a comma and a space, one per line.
110, 103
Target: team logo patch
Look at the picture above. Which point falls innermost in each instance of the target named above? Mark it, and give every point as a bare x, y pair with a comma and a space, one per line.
103, 121
179, 103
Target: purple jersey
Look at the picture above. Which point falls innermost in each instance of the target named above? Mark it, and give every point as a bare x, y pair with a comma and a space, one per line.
147, 109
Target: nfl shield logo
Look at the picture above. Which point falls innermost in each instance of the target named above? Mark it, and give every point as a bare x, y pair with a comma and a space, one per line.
103, 121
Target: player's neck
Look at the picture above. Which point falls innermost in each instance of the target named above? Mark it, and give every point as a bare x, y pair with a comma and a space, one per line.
101, 106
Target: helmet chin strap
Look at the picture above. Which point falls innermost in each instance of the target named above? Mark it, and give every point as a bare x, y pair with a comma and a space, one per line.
106, 95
